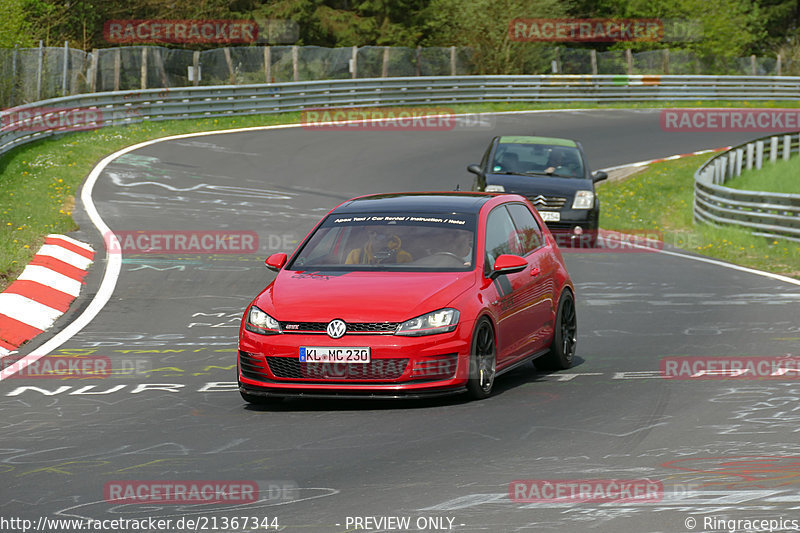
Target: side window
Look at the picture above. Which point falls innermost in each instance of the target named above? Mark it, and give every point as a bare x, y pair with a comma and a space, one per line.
528, 231
501, 236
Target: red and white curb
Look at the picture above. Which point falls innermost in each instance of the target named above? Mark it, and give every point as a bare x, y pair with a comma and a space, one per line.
670, 158
44, 290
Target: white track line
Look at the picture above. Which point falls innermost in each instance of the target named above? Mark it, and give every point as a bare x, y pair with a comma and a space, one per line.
114, 260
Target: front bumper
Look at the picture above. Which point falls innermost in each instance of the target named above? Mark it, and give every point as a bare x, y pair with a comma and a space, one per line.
269, 365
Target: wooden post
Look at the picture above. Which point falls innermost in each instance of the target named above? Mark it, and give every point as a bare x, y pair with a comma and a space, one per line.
65, 70
196, 68
143, 73
385, 67
593, 57
94, 65
162, 70
295, 66
13, 77
268, 63
229, 61
117, 65
629, 60
39, 71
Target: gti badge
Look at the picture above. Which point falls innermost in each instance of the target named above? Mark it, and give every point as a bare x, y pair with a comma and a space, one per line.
336, 328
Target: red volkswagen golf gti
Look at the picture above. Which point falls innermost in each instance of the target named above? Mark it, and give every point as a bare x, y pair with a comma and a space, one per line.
408, 295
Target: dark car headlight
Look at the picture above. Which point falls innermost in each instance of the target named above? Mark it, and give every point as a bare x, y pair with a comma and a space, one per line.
441, 321
583, 200
260, 322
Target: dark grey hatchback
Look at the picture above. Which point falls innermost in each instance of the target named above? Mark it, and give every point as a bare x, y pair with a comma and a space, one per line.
552, 173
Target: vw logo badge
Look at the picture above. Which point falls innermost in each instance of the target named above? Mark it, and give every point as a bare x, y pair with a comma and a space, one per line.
336, 328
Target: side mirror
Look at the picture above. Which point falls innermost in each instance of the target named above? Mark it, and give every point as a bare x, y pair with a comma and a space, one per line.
599, 175
475, 169
276, 261
507, 264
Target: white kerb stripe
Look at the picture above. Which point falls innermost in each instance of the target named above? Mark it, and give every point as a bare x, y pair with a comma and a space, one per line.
68, 256
28, 311
73, 241
51, 278
4, 352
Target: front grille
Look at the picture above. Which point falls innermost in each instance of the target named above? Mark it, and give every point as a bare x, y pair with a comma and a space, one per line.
547, 203
374, 328
379, 369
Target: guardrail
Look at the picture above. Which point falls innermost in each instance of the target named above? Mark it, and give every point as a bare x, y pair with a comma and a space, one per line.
126, 107
774, 215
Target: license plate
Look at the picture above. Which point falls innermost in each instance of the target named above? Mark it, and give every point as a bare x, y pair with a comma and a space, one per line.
338, 354
550, 216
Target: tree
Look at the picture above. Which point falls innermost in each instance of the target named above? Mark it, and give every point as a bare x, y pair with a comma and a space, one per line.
14, 29
483, 25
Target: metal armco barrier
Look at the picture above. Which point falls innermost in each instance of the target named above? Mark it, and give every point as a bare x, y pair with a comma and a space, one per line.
766, 214
126, 107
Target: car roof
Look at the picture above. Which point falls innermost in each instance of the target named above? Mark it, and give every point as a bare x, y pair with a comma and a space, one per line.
528, 139
422, 202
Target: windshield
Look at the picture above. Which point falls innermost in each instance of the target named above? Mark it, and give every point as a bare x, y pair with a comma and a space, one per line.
390, 242
553, 160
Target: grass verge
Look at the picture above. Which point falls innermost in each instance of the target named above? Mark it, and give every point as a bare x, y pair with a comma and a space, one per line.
38, 181
660, 199
782, 177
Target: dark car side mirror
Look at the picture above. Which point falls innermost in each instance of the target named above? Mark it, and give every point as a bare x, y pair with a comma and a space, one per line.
507, 264
475, 169
599, 175
276, 261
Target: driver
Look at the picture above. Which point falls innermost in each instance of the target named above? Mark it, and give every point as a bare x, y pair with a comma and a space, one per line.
561, 162
381, 247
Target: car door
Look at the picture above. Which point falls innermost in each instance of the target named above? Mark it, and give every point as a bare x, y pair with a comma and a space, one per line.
538, 292
507, 292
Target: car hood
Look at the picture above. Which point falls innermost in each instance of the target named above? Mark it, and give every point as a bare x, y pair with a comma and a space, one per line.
549, 186
361, 296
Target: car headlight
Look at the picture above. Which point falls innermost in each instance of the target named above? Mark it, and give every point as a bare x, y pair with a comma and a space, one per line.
583, 200
260, 322
495, 188
441, 321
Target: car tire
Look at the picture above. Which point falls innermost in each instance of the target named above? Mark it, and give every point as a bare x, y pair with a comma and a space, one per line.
482, 361
562, 349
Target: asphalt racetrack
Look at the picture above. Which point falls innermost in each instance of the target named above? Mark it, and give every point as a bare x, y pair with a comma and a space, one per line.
720, 449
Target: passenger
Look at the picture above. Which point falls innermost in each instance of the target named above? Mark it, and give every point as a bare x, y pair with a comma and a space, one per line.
380, 248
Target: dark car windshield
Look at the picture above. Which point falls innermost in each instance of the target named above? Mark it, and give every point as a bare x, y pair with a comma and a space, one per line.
390, 242
549, 159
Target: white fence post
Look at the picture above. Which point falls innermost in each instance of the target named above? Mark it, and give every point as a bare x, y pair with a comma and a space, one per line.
759, 154
39, 71
749, 156
773, 149
787, 147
